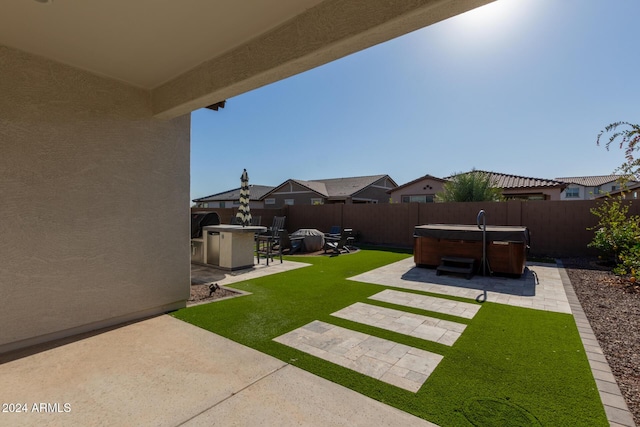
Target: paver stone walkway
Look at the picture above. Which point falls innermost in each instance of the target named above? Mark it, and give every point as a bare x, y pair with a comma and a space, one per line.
425, 302
415, 325
401, 365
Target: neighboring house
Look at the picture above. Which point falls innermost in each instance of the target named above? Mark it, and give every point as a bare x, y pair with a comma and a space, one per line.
231, 198
359, 189
527, 188
425, 188
590, 187
420, 190
524, 188
630, 191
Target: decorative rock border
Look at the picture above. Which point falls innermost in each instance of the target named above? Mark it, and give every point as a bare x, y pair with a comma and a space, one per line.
615, 406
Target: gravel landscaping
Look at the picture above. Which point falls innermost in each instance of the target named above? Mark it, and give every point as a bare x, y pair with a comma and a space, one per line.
201, 293
612, 305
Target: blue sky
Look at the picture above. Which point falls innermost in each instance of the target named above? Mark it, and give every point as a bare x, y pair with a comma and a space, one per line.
518, 86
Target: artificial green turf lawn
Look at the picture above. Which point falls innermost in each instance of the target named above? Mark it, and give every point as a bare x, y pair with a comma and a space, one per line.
508, 357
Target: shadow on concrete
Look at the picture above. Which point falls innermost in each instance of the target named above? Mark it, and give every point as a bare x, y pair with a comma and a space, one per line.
524, 285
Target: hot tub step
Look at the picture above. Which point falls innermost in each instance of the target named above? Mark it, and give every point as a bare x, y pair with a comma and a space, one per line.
456, 265
457, 260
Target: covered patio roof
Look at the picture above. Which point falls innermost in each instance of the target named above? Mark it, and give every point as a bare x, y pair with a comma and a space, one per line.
192, 53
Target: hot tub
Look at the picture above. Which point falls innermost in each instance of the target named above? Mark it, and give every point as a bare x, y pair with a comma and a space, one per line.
506, 250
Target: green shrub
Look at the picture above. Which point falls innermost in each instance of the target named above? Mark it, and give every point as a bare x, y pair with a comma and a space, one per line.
628, 261
617, 235
474, 186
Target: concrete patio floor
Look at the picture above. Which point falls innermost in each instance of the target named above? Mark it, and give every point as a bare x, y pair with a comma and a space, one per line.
162, 371
165, 372
201, 274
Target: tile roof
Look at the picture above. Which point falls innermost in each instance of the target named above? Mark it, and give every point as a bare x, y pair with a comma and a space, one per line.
255, 193
318, 187
345, 187
339, 188
503, 180
590, 181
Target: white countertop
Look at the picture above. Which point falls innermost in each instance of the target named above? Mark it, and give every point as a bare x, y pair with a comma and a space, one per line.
228, 228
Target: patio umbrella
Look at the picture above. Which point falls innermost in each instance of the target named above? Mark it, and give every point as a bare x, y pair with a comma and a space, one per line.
244, 214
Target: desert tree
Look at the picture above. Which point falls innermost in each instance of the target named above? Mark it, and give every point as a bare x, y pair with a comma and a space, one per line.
474, 186
627, 136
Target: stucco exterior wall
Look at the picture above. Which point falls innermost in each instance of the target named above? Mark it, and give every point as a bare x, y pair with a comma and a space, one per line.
590, 193
94, 208
291, 190
549, 193
417, 188
375, 193
371, 195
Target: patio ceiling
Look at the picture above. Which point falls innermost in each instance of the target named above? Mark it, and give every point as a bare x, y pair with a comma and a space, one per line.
194, 53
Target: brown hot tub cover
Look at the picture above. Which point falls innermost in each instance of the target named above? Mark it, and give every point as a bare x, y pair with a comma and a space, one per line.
472, 232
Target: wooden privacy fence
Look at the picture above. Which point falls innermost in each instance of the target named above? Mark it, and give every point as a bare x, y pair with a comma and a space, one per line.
558, 228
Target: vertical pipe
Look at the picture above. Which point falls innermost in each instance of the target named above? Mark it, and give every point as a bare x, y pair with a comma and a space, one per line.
484, 239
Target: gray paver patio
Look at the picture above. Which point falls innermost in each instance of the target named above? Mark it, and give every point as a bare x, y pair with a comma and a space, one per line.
397, 364
540, 287
415, 325
425, 302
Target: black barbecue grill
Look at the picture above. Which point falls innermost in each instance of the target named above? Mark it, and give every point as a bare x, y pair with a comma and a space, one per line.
202, 219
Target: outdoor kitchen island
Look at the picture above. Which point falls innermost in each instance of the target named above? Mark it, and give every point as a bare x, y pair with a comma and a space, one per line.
506, 246
230, 247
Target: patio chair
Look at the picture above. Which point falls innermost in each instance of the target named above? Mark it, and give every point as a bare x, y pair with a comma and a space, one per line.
334, 231
285, 243
265, 242
276, 226
340, 244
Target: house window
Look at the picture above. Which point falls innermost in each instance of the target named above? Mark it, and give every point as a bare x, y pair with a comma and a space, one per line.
221, 205
288, 202
572, 193
317, 201
423, 198
614, 187
596, 190
270, 201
